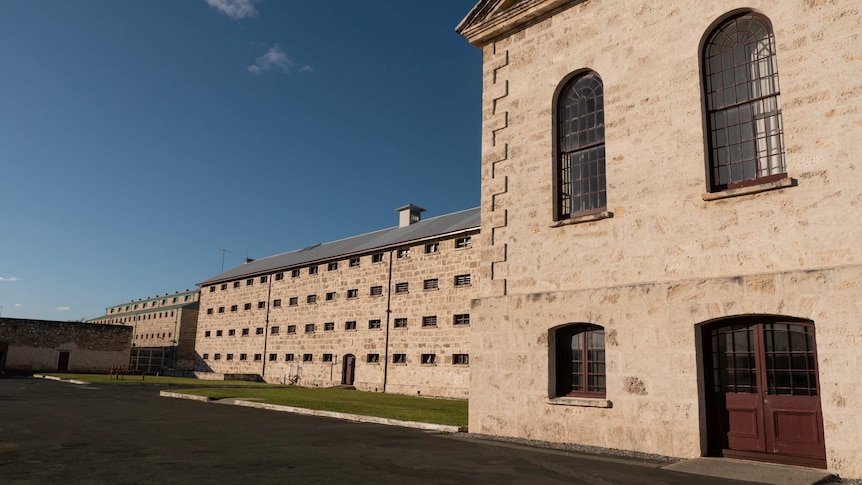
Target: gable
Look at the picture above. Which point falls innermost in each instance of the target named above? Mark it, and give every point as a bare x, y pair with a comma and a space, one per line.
493, 19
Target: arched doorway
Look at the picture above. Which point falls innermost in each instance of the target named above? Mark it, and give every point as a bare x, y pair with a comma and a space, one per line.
348, 370
763, 391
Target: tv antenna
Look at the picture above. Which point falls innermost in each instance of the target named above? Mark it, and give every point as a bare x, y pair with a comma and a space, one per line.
222, 257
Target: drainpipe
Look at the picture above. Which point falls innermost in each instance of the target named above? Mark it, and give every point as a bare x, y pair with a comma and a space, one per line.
266, 329
388, 313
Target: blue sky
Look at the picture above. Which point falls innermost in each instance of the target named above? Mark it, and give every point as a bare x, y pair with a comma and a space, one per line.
137, 139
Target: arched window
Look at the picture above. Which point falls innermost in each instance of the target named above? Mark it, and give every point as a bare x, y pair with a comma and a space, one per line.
744, 128
580, 153
580, 360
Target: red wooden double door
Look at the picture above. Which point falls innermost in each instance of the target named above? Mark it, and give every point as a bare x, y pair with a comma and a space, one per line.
763, 390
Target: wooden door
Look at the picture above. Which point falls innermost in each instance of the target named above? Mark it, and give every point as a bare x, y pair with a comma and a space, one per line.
349, 367
63, 362
764, 393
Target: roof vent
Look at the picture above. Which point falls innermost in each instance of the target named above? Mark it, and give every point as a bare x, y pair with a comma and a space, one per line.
409, 214
247, 260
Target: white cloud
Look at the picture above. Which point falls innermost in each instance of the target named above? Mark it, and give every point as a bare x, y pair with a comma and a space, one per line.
63, 308
235, 9
17, 305
275, 58
13, 278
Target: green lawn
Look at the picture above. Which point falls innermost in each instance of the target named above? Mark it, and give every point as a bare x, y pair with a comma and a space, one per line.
394, 406
161, 380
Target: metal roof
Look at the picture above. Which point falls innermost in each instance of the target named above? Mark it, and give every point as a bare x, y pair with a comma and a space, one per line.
393, 236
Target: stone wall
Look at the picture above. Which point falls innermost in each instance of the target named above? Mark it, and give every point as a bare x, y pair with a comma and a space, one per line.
251, 319
670, 257
35, 345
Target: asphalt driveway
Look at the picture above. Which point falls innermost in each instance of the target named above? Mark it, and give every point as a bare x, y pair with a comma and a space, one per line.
53, 432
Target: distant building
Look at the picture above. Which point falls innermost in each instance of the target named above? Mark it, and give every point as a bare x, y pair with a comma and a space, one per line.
164, 329
45, 345
385, 311
671, 236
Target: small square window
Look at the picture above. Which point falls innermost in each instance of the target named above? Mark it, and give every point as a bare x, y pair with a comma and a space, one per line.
273, 330
236, 284
276, 303
432, 248
218, 333
403, 253
245, 332
262, 280
311, 299
207, 333
430, 284
460, 359
229, 357
246, 306
221, 309
209, 311
377, 258
312, 270
463, 242
307, 358
273, 357
258, 331
332, 266
206, 356
217, 357
243, 356
376, 290
373, 324
294, 273
278, 277
258, 357
402, 287
309, 328
294, 300
231, 332
352, 293
327, 357
461, 319
233, 308
261, 304
288, 357
372, 358
462, 280
212, 289
429, 321
399, 358
350, 325
291, 329
223, 287
354, 262
329, 326
429, 358
330, 296
249, 282
400, 323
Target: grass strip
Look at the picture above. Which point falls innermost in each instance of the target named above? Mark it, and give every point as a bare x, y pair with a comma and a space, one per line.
153, 380
393, 406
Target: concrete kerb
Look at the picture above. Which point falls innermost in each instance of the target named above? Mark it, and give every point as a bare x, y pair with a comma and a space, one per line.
324, 414
59, 379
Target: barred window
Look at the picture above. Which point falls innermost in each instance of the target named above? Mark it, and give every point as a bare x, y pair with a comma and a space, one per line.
461, 319
462, 280
402, 287
430, 284
580, 158
373, 324
376, 290
400, 322
373, 358
429, 321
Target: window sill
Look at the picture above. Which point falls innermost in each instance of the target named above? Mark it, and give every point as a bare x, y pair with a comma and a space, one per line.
584, 402
753, 189
583, 219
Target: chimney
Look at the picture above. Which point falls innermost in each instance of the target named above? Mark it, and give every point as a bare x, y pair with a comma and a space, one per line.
409, 214
248, 260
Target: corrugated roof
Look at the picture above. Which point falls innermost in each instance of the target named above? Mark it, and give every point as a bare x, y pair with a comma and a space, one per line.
393, 236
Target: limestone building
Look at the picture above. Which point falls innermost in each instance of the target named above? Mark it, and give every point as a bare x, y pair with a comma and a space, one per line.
671, 222
385, 311
164, 329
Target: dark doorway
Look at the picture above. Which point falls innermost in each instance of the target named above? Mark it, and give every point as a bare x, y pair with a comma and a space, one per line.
4, 347
349, 367
63, 362
763, 393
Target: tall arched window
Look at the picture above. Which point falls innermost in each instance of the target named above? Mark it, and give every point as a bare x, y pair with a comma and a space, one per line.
580, 170
580, 360
742, 102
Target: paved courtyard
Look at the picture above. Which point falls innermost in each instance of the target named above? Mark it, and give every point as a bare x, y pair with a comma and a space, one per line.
63, 433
